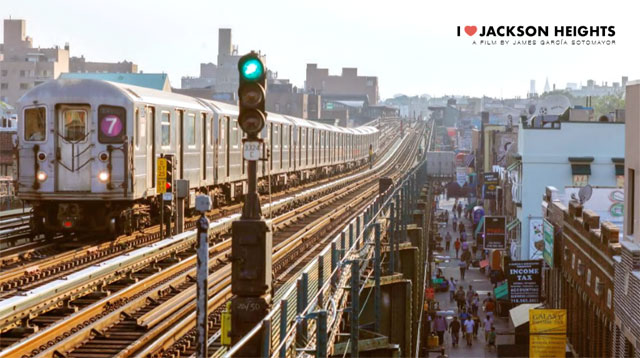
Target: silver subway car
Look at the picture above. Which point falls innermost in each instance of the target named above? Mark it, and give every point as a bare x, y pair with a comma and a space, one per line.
88, 150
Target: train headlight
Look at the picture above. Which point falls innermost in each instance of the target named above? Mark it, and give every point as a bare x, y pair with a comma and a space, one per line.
103, 176
41, 176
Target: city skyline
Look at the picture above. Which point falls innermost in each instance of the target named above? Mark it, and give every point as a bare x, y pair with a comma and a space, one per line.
379, 42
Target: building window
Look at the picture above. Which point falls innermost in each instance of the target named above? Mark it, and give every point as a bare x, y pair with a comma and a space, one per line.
580, 180
581, 170
573, 261
22, 73
4, 73
24, 86
609, 298
631, 201
589, 277
4, 86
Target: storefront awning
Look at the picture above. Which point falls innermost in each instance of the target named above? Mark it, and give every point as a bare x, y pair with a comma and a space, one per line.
512, 225
479, 227
513, 165
580, 169
520, 314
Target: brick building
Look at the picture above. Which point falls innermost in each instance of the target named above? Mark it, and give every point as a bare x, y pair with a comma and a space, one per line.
80, 64
22, 66
627, 273
349, 83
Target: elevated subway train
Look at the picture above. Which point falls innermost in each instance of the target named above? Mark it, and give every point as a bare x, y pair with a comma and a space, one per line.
88, 148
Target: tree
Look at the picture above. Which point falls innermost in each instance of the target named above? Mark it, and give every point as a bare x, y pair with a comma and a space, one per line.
604, 105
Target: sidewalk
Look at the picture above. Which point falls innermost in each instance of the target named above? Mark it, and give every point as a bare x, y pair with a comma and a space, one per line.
480, 284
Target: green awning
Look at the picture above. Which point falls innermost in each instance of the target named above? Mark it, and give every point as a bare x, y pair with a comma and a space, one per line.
513, 165
619, 169
580, 169
513, 224
479, 227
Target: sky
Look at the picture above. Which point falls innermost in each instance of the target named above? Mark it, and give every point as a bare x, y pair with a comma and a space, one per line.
411, 46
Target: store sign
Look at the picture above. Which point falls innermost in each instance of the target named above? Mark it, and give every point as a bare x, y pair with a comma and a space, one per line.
461, 175
501, 291
524, 278
495, 232
536, 240
490, 185
548, 332
547, 254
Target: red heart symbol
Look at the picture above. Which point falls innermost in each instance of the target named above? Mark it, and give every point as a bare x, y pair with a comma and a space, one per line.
470, 30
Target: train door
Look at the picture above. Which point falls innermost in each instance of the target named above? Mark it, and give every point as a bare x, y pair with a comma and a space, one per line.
74, 147
228, 146
204, 135
151, 148
180, 143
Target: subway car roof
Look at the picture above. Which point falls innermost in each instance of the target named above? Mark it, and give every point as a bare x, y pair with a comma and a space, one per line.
77, 90
72, 90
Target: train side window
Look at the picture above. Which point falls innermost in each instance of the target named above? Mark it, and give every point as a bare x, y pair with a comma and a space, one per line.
136, 135
35, 124
234, 135
190, 130
165, 122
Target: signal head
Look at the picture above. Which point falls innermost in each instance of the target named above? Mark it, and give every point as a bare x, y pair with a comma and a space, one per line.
251, 121
251, 67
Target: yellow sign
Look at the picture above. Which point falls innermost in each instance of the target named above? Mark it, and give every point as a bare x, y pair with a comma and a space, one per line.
547, 346
225, 328
161, 176
161, 170
548, 333
548, 321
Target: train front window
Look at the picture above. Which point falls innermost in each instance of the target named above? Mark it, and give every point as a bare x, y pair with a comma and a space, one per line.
74, 124
35, 124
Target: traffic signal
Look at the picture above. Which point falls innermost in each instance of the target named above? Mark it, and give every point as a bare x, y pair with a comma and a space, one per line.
252, 94
169, 180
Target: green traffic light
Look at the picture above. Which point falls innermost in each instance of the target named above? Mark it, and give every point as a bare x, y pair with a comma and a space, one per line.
252, 69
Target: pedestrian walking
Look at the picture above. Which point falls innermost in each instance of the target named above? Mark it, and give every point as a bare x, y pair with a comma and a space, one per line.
492, 339
440, 326
468, 328
454, 222
487, 323
446, 217
461, 227
460, 297
452, 289
460, 209
476, 325
469, 296
447, 239
489, 305
475, 303
454, 329
463, 268
456, 245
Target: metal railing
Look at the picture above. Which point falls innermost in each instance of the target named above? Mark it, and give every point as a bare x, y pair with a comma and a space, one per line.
319, 296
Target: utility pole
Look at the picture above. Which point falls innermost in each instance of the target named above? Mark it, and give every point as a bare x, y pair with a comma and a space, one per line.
251, 234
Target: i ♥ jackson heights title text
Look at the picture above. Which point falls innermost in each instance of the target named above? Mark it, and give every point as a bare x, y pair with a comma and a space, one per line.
539, 35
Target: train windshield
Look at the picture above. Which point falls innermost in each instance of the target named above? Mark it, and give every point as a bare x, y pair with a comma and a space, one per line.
74, 124
35, 124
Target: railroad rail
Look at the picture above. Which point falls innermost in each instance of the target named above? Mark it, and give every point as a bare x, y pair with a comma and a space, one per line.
97, 278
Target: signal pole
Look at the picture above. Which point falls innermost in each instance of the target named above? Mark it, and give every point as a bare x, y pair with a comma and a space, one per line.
251, 234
